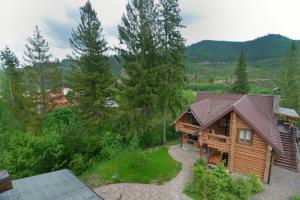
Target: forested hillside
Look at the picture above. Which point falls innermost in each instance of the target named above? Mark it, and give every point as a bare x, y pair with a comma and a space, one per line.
266, 47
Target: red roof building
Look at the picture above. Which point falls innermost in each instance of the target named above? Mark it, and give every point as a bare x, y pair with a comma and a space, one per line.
241, 128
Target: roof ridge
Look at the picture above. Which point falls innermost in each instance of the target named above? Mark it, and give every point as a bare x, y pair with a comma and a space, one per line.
208, 109
247, 96
239, 100
258, 95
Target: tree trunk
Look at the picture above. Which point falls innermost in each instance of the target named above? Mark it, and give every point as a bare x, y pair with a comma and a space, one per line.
164, 126
11, 92
43, 94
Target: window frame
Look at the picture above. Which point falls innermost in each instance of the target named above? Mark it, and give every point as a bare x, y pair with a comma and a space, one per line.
244, 141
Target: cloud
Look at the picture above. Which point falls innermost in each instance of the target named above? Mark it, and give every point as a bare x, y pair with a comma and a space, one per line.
206, 19
189, 19
58, 32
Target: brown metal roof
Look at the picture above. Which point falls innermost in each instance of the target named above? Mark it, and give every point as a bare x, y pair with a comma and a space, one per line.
256, 110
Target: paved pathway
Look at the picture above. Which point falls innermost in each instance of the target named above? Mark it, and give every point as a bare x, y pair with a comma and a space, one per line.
284, 184
169, 191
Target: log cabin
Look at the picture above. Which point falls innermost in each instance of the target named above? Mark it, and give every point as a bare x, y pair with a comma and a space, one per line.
242, 130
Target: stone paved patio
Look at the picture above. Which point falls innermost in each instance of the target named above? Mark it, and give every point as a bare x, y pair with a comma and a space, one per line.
169, 191
284, 184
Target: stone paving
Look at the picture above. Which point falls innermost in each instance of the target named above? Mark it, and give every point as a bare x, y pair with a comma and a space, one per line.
284, 184
169, 191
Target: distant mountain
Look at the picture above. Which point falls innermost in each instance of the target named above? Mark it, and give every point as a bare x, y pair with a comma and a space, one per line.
263, 48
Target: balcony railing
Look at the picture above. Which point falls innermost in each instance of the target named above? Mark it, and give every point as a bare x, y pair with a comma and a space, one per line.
187, 128
217, 141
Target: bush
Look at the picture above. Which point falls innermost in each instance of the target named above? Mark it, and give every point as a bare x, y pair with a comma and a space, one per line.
206, 184
241, 187
115, 178
111, 144
190, 188
200, 162
22, 155
256, 185
78, 164
222, 176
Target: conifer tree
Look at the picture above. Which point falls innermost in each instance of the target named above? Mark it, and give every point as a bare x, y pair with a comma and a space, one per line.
12, 87
10, 62
41, 74
138, 35
241, 84
170, 73
288, 79
91, 78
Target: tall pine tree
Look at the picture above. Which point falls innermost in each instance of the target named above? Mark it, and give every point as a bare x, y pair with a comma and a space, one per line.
241, 84
288, 81
138, 35
170, 74
91, 78
41, 75
10, 62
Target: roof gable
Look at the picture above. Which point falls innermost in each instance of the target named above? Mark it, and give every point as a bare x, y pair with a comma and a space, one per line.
259, 121
256, 110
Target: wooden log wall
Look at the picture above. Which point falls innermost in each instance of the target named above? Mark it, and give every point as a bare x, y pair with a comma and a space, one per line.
250, 158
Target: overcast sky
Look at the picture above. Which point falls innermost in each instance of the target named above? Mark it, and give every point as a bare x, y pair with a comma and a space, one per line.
235, 20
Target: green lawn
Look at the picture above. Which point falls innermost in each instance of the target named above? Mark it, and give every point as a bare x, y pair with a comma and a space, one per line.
150, 166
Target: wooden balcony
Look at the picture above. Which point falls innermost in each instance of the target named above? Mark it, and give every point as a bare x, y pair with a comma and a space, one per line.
216, 141
187, 128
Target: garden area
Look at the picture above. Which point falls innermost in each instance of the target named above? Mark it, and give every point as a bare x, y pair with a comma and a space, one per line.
218, 184
153, 165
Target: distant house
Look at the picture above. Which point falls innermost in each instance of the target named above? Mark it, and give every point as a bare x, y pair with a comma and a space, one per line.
242, 130
58, 185
56, 99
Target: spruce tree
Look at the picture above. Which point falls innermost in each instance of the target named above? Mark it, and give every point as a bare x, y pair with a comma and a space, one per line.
287, 79
41, 74
12, 86
170, 73
91, 78
10, 62
241, 84
138, 35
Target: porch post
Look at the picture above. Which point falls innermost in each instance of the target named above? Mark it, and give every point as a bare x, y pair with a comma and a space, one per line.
181, 139
268, 165
233, 135
201, 150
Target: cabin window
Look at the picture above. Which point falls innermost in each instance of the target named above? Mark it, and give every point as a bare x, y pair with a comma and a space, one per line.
245, 136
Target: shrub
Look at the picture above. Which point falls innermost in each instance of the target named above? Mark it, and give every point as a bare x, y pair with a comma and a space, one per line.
190, 188
256, 185
200, 162
115, 178
78, 163
222, 176
241, 187
22, 155
206, 184
111, 144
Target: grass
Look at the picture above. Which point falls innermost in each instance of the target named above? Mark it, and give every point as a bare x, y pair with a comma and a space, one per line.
295, 197
150, 166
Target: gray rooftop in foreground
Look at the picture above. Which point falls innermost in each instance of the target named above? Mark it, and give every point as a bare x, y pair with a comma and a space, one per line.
288, 112
58, 185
